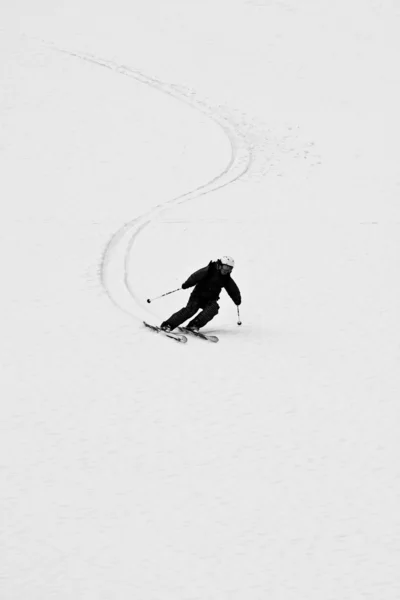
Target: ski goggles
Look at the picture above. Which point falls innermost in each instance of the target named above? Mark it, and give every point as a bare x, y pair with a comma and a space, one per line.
226, 268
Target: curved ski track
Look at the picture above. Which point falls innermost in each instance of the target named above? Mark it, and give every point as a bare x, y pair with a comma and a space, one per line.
114, 264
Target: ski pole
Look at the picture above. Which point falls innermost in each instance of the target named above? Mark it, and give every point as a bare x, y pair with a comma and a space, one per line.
239, 321
162, 295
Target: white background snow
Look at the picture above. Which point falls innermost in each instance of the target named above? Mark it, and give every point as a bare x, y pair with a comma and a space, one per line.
265, 466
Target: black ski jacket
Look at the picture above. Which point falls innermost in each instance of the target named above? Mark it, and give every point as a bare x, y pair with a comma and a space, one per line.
209, 282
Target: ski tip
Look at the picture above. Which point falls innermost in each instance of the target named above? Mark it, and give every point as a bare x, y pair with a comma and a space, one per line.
178, 337
200, 334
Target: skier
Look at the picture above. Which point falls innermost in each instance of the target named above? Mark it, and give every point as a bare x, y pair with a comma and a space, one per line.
208, 283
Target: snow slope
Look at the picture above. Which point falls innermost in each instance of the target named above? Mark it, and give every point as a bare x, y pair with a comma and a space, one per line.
137, 143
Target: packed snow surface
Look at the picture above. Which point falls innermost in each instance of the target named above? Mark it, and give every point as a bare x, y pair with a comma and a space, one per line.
138, 142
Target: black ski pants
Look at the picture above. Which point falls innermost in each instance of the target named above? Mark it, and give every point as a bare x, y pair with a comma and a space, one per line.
210, 310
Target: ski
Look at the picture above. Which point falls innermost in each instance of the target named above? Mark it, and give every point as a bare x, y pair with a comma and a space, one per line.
174, 336
204, 336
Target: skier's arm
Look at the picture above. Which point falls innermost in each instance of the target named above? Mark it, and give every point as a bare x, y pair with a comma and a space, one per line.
233, 291
195, 278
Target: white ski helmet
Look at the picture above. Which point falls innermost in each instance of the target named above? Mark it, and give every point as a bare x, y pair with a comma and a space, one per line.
227, 260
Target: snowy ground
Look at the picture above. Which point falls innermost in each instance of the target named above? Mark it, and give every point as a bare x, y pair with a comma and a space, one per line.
138, 142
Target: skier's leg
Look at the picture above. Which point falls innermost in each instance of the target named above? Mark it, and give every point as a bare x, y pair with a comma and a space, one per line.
209, 312
182, 315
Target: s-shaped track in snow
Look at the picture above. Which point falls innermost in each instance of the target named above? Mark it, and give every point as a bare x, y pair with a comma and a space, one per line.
115, 258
